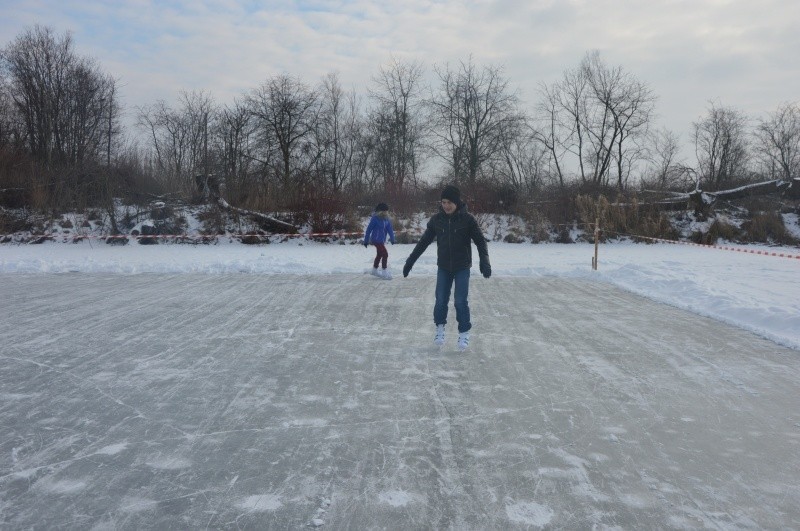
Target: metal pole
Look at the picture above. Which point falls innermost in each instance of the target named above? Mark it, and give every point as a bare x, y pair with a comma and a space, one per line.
596, 240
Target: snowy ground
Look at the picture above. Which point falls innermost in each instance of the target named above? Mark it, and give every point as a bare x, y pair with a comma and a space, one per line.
279, 387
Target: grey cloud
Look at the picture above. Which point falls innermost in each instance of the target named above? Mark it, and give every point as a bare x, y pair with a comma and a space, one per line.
689, 51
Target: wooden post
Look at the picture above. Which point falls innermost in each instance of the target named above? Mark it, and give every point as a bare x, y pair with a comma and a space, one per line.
596, 241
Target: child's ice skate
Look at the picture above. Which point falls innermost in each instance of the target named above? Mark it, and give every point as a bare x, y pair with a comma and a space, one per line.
438, 340
463, 341
386, 274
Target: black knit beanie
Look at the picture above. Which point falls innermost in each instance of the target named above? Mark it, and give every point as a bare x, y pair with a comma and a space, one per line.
452, 193
382, 207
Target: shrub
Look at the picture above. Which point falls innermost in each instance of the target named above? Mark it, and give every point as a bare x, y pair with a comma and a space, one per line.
212, 220
253, 238
590, 209
767, 227
564, 236
719, 229
538, 226
14, 221
408, 230
514, 236
658, 226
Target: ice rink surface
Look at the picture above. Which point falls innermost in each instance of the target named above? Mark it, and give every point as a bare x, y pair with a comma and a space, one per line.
197, 401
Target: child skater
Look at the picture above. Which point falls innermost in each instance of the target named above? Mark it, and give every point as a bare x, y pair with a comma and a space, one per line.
380, 226
454, 229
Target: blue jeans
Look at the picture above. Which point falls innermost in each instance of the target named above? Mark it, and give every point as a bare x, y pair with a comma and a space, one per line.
444, 284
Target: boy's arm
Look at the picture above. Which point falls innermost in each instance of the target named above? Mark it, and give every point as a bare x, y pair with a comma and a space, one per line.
424, 242
391, 233
483, 249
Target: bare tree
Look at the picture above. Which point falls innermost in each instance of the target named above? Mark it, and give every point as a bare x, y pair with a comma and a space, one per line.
179, 138
338, 135
395, 124
37, 64
524, 162
112, 129
62, 98
167, 139
200, 114
11, 131
618, 119
286, 110
721, 148
571, 105
472, 113
778, 142
666, 167
236, 131
551, 131
595, 119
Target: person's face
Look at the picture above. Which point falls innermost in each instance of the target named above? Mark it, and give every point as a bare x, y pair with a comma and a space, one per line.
448, 206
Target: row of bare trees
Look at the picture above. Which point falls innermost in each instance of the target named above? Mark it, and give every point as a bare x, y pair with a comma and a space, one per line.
60, 105
597, 117
59, 123
731, 151
286, 139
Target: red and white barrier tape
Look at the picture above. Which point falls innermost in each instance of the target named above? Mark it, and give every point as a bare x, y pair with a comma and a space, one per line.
711, 246
55, 236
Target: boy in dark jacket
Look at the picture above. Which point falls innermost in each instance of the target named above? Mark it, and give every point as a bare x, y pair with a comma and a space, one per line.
453, 228
380, 226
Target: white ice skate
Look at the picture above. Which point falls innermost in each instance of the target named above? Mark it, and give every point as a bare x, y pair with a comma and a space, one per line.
438, 340
463, 341
376, 272
386, 274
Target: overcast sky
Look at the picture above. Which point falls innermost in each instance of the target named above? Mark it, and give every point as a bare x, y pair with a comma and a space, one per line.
738, 53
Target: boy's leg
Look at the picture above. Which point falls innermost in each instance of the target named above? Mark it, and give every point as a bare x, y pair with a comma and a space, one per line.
444, 283
461, 300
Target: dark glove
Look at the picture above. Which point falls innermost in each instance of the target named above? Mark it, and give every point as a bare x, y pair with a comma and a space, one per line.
406, 269
486, 269
366, 245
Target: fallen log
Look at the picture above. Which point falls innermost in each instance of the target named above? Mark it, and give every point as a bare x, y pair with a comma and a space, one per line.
268, 222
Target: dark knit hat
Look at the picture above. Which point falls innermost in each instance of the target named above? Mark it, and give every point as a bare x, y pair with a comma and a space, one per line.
382, 207
452, 193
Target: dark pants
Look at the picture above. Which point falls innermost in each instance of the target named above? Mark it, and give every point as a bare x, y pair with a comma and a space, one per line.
444, 284
383, 255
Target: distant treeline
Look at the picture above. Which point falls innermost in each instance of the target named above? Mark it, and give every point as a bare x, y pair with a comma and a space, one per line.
287, 144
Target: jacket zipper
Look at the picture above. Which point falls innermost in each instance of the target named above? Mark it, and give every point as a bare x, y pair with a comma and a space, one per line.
450, 242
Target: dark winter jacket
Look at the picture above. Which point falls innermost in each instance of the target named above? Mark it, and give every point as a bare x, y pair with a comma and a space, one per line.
379, 227
453, 234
